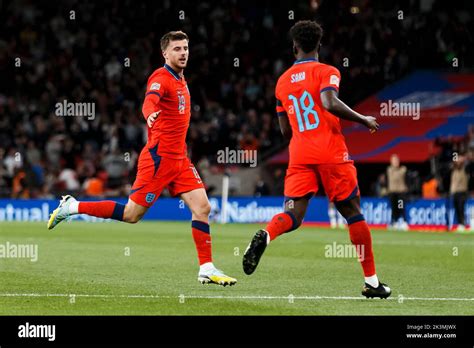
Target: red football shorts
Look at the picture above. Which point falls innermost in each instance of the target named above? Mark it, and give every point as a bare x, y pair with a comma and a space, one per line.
338, 180
156, 172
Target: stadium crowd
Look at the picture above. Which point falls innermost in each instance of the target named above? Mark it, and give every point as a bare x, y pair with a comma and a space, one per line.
102, 52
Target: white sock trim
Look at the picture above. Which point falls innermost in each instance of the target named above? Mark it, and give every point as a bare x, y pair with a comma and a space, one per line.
372, 281
74, 207
206, 267
268, 237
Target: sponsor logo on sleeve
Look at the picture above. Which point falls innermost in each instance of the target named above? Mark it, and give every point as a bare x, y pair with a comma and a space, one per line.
334, 80
155, 86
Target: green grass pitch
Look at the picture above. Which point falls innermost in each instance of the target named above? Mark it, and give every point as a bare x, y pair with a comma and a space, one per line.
429, 273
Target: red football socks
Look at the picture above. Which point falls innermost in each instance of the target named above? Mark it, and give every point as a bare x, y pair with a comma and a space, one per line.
102, 209
360, 237
202, 240
281, 223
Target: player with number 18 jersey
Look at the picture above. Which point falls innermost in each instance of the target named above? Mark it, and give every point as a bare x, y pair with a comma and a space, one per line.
309, 110
318, 152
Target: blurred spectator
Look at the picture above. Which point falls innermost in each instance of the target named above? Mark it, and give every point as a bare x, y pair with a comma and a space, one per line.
68, 180
19, 187
458, 190
33, 155
94, 187
116, 168
54, 150
397, 189
429, 188
261, 188
12, 162
381, 189
278, 179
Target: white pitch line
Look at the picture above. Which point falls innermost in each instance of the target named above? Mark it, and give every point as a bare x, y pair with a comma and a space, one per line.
425, 243
250, 297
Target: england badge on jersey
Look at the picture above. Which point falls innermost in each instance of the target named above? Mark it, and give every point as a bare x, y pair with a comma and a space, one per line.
149, 197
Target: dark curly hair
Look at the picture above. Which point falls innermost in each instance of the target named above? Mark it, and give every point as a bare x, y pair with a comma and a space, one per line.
306, 35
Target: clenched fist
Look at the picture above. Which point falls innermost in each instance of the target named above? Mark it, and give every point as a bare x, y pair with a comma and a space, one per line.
152, 118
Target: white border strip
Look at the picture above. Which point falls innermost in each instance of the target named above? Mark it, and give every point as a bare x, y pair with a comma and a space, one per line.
290, 297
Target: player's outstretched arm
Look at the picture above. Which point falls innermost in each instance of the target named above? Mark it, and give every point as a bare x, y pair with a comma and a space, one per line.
338, 108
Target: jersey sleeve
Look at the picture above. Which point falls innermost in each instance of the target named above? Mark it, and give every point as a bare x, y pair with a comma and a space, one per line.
330, 79
280, 110
155, 90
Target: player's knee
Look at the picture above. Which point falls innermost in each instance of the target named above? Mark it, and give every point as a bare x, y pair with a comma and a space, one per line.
131, 216
348, 212
348, 208
205, 209
202, 210
133, 219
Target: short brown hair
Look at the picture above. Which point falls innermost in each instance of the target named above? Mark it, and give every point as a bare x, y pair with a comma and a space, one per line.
172, 36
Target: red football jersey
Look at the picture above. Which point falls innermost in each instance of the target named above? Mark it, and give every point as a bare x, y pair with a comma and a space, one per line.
167, 91
317, 136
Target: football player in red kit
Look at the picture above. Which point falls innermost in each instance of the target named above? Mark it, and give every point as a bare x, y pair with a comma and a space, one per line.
309, 110
163, 162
